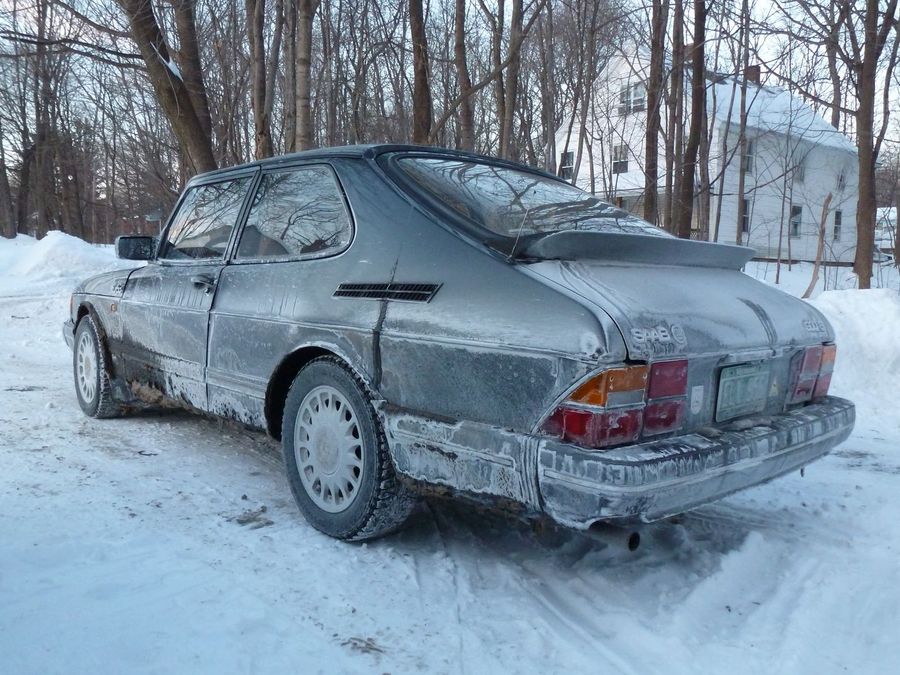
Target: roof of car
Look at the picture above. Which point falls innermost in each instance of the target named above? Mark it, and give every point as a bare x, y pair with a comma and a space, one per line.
361, 152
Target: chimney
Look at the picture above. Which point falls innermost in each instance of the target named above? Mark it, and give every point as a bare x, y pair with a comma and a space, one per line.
751, 74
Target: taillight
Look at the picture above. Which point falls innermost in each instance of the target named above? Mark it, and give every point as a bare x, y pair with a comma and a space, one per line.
668, 378
805, 374
622, 404
666, 397
606, 410
829, 353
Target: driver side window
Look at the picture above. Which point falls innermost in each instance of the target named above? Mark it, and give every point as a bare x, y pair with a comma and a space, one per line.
202, 227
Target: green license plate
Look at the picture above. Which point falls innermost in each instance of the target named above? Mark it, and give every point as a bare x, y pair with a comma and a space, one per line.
743, 390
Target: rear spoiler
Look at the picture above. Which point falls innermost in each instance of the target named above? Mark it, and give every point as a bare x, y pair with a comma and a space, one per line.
616, 247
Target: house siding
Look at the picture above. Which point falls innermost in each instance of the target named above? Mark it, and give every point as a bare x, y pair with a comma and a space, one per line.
772, 187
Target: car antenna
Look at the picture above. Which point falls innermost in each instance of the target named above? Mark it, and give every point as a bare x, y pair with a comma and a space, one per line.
512, 252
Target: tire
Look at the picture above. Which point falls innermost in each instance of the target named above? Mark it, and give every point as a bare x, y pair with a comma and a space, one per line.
336, 456
92, 385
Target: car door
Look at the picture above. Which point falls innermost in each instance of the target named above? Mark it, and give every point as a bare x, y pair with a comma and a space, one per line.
276, 292
166, 304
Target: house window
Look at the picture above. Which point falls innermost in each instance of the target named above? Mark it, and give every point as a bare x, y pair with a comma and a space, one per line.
745, 216
632, 98
838, 217
749, 159
800, 171
567, 165
796, 219
842, 179
620, 159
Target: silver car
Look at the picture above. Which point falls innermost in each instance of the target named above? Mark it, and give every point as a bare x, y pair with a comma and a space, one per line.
404, 317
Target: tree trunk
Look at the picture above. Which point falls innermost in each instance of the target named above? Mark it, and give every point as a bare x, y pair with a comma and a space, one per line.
655, 83
676, 117
189, 60
466, 110
306, 10
422, 112
290, 76
820, 249
865, 144
685, 200
742, 128
831, 49
549, 93
171, 91
7, 208
256, 10
508, 147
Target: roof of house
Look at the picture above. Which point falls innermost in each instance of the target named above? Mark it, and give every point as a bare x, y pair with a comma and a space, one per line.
772, 109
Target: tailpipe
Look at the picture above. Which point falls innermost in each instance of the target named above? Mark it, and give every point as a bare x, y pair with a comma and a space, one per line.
615, 535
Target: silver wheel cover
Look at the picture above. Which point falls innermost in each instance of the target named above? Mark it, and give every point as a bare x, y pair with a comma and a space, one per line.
86, 367
328, 449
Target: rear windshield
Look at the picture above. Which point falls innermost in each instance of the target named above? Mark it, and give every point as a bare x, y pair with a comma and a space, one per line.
512, 203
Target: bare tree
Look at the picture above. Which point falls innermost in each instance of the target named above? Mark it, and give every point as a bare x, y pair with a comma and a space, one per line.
655, 82
422, 108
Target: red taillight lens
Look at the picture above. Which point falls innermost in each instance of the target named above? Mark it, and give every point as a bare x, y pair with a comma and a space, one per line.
663, 416
668, 378
806, 373
829, 354
596, 429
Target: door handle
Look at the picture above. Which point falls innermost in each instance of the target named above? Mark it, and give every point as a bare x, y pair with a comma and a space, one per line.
203, 280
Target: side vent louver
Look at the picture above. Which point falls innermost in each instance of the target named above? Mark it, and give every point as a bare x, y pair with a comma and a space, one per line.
394, 291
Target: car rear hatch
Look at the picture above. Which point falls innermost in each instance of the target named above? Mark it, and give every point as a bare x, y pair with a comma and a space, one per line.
678, 299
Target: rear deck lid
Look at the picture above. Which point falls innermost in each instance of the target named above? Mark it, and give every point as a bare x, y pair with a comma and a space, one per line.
681, 298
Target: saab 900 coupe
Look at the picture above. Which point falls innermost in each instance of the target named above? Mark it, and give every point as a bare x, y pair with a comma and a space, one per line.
403, 317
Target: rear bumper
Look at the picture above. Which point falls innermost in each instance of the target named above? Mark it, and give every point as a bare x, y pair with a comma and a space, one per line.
654, 480
68, 331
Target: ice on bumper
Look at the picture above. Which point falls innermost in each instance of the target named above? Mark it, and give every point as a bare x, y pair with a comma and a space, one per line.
658, 479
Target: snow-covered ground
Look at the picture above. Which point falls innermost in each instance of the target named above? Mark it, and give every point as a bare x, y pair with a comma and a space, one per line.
169, 543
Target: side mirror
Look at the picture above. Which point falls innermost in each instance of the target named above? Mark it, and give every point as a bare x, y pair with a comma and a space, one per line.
135, 247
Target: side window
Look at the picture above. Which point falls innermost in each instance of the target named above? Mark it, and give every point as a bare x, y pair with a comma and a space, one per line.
299, 212
204, 221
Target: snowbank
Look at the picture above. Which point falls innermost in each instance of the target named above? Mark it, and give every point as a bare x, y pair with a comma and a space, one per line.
58, 261
867, 324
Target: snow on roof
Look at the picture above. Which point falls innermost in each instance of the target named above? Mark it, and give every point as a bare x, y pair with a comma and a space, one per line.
775, 110
770, 109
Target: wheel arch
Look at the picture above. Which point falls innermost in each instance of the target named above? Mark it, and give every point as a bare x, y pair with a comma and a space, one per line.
85, 308
285, 373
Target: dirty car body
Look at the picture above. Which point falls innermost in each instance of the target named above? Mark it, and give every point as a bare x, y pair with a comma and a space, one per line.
518, 338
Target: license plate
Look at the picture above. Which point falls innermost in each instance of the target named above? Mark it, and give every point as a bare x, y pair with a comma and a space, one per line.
743, 390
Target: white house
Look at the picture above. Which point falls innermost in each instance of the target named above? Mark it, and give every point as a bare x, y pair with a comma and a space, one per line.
794, 160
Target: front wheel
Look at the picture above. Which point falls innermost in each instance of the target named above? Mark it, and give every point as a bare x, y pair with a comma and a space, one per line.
92, 385
336, 456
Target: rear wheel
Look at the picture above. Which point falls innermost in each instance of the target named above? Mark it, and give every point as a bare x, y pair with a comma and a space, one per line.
92, 385
336, 456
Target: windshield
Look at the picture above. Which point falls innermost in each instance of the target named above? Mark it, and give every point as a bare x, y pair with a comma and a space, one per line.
514, 204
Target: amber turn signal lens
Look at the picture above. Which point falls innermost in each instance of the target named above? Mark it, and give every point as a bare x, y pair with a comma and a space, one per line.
615, 387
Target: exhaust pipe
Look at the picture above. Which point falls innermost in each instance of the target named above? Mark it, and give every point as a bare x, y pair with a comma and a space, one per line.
615, 536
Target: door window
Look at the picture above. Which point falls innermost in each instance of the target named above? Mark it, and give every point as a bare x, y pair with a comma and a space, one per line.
300, 212
202, 227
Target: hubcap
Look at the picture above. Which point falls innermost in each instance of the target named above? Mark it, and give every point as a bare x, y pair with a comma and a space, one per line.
86, 365
328, 449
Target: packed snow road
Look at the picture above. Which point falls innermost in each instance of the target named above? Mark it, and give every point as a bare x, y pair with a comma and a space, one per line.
170, 543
